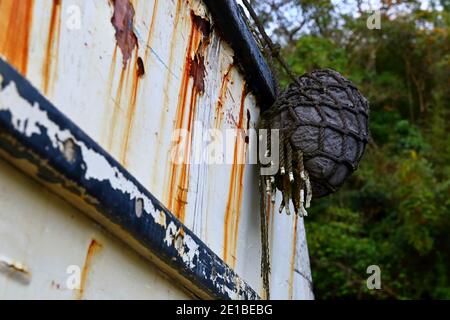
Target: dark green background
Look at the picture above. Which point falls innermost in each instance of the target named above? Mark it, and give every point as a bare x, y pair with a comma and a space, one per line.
395, 210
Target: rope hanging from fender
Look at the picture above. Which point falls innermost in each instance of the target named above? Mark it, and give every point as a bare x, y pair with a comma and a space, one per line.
267, 184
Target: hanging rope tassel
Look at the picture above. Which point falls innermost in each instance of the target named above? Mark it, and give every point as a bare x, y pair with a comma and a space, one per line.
308, 189
265, 254
306, 184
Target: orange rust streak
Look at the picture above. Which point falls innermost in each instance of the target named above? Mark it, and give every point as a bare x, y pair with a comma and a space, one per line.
293, 256
116, 111
52, 43
131, 111
151, 30
179, 173
234, 202
15, 25
183, 183
112, 69
94, 247
222, 98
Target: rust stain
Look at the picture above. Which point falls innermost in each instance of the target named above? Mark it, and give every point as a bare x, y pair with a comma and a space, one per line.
197, 72
179, 173
151, 30
107, 135
93, 248
15, 22
138, 72
117, 107
293, 257
51, 55
112, 70
123, 22
234, 202
218, 119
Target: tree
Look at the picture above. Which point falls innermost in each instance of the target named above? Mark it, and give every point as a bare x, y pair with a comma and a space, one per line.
395, 213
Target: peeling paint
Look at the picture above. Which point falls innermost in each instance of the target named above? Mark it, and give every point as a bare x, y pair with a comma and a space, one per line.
123, 22
35, 121
15, 22
187, 248
30, 119
131, 111
126, 39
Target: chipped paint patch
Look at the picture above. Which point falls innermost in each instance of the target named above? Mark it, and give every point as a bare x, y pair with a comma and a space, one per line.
126, 39
187, 248
161, 220
123, 22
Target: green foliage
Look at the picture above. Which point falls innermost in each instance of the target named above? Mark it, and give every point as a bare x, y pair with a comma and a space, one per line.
395, 211
327, 55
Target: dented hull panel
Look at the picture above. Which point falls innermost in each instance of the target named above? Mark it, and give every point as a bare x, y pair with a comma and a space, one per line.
129, 73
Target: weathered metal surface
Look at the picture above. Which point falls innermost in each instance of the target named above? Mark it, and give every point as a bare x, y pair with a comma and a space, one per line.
234, 29
34, 136
179, 74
